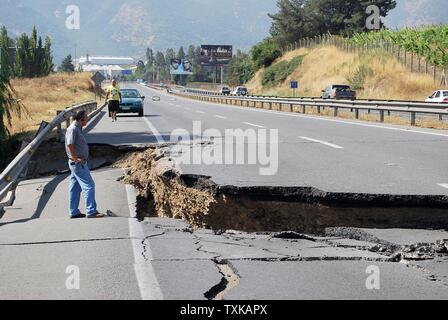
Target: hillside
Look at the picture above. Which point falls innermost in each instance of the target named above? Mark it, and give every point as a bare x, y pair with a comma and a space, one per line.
43, 96
380, 75
127, 27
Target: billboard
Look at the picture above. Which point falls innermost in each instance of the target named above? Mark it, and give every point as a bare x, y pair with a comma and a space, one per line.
181, 66
216, 55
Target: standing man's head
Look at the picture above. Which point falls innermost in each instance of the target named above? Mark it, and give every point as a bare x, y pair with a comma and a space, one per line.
114, 82
82, 118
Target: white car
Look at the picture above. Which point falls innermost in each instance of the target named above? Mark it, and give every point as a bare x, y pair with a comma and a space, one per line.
439, 96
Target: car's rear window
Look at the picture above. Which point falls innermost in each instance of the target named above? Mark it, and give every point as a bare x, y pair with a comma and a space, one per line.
130, 94
445, 93
341, 88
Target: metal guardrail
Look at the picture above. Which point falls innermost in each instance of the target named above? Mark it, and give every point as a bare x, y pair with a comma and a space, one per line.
11, 176
411, 107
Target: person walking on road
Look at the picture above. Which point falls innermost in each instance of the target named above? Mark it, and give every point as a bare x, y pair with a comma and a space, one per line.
80, 179
113, 96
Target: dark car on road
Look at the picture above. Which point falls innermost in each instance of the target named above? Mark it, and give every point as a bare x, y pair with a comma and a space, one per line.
337, 91
240, 91
225, 91
132, 102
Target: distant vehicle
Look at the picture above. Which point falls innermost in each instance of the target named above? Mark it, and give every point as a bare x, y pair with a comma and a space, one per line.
132, 102
140, 81
336, 91
225, 91
440, 96
240, 91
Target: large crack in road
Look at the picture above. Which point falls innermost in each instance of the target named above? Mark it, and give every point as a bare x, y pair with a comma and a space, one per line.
165, 192
286, 215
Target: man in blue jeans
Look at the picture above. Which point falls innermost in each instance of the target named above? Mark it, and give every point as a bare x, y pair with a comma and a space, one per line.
80, 180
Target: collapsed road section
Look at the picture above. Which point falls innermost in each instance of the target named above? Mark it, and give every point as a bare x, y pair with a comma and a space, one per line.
165, 192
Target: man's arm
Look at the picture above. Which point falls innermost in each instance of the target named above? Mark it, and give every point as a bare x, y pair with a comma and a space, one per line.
75, 158
107, 95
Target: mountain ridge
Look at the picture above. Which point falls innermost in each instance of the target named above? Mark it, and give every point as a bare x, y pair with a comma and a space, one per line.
127, 27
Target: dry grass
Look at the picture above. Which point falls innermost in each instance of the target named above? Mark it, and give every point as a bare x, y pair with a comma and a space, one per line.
44, 96
326, 65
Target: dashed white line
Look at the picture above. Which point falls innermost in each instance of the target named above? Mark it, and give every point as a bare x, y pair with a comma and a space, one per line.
443, 185
201, 112
220, 117
328, 144
146, 278
253, 125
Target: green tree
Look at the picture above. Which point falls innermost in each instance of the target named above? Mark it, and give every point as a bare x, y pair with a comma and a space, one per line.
240, 69
5, 43
67, 64
48, 64
181, 53
160, 64
297, 19
264, 53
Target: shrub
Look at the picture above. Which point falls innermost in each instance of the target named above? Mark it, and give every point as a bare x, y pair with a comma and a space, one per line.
358, 78
279, 72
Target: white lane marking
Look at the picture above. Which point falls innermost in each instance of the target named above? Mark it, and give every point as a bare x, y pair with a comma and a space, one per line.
188, 109
443, 185
146, 278
286, 114
201, 112
155, 132
328, 144
253, 125
220, 117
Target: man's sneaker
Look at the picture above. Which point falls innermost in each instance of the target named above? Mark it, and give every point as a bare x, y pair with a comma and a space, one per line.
96, 215
78, 216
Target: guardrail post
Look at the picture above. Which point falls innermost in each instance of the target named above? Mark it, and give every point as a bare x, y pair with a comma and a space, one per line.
270, 105
381, 116
318, 109
335, 111
413, 118
304, 109
440, 117
291, 108
357, 113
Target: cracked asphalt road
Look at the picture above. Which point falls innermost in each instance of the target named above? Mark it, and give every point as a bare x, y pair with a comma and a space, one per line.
36, 253
38, 242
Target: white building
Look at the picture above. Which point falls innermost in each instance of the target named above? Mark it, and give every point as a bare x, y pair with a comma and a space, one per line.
110, 67
104, 60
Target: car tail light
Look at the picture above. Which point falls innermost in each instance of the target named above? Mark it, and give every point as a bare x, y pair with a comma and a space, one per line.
445, 100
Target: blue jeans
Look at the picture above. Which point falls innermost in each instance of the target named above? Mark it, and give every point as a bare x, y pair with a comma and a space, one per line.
81, 180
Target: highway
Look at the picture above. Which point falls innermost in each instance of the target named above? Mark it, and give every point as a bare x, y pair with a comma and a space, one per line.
327, 153
121, 258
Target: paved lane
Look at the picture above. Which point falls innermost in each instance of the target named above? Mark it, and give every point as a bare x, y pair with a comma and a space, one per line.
328, 153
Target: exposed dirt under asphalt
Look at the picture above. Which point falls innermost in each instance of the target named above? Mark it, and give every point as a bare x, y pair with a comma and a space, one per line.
165, 192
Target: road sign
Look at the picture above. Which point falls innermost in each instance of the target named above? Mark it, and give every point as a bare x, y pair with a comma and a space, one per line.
126, 72
294, 85
98, 78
